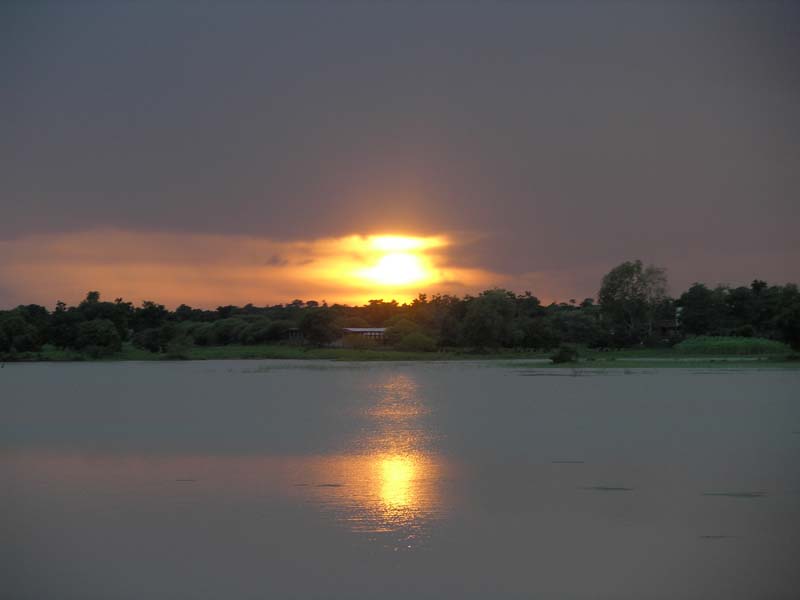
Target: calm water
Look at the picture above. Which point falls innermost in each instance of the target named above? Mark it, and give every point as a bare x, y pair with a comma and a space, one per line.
284, 480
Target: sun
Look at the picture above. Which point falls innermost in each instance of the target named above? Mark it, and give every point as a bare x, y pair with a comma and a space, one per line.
395, 262
397, 268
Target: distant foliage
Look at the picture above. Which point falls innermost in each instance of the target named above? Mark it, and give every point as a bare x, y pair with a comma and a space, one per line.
725, 346
633, 311
631, 297
98, 337
489, 319
399, 329
358, 342
318, 327
565, 354
417, 342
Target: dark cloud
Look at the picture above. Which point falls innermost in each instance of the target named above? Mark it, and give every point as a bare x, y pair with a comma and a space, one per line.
276, 260
566, 136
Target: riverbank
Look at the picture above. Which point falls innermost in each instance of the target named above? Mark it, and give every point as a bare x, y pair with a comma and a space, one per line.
627, 358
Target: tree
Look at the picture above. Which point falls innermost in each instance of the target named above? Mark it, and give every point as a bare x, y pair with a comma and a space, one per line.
318, 326
538, 333
702, 310
98, 338
118, 312
416, 342
17, 334
788, 320
63, 329
150, 315
629, 298
399, 329
489, 319
147, 339
529, 305
577, 326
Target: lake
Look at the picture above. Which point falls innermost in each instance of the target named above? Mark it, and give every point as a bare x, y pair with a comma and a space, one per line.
265, 479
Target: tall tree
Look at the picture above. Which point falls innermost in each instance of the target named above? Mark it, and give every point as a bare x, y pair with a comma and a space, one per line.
489, 319
629, 299
318, 326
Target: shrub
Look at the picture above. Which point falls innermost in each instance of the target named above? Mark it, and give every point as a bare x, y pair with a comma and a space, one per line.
417, 342
539, 333
565, 354
399, 330
257, 332
318, 327
178, 347
147, 339
5, 342
98, 338
18, 335
219, 333
202, 334
723, 346
358, 342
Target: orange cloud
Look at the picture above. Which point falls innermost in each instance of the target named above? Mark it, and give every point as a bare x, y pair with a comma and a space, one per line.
211, 270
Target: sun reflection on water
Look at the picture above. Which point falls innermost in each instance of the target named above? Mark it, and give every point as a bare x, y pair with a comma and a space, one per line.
397, 474
390, 483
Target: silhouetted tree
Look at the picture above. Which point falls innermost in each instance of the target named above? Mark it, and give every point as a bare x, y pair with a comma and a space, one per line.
629, 297
150, 315
489, 319
98, 337
702, 310
318, 326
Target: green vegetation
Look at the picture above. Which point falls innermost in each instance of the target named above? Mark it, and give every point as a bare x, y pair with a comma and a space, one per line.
565, 354
728, 346
632, 298
588, 359
416, 342
633, 315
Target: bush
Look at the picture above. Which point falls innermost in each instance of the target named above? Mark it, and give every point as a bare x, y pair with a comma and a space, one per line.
98, 338
417, 342
178, 347
724, 346
539, 333
358, 342
747, 331
257, 332
318, 327
147, 339
5, 342
18, 335
220, 333
565, 354
399, 330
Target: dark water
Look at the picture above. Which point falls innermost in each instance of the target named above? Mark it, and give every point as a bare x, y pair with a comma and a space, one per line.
279, 480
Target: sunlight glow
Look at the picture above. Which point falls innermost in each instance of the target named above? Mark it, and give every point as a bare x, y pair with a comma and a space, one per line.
213, 270
401, 243
399, 260
398, 268
397, 474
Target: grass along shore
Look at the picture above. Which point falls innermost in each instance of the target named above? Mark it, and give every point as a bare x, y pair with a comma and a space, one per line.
686, 356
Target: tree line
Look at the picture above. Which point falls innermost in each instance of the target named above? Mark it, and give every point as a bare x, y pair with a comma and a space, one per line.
632, 309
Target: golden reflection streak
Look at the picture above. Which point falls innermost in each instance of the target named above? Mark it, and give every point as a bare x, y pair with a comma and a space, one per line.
397, 474
390, 483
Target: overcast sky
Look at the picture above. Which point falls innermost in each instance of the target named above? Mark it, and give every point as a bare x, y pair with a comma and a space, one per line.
554, 139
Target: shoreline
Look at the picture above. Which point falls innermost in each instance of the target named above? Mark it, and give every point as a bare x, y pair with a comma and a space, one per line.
615, 359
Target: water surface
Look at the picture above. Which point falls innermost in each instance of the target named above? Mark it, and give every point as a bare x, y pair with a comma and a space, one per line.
261, 479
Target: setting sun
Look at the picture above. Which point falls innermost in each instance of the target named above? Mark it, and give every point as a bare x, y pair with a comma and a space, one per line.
396, 260
399, 268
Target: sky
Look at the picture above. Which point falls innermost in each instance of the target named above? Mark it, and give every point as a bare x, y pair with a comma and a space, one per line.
226, 153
